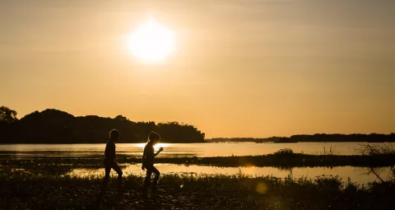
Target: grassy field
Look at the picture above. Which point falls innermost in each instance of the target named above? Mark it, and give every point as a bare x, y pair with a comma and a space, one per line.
22, 191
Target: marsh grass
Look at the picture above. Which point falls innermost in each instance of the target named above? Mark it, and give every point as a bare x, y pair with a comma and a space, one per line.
377, 150
42, 183
372, 156
28, 191
285, 151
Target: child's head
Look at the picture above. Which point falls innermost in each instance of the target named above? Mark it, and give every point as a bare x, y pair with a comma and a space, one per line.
114, 135
154, 137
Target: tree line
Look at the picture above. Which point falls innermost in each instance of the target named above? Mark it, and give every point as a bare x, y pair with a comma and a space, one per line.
55, 126
373, 137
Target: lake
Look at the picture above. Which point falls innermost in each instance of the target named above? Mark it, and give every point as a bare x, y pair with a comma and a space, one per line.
356, 174
181, 150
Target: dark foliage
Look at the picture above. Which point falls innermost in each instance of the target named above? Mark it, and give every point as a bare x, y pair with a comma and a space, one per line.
344, 138
316, 138
54, 126
24, 191
7, 115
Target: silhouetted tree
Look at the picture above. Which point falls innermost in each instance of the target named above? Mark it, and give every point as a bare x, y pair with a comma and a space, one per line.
54, 126
317, 138
7, 118
121, 118
7, 115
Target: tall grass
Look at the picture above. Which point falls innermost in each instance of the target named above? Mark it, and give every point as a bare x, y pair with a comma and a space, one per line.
27, 191
377, 150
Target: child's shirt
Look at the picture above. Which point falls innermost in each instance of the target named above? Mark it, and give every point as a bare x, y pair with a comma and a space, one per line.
148, 155
110, 151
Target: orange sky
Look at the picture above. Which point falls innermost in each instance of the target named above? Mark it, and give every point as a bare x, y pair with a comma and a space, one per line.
240, 68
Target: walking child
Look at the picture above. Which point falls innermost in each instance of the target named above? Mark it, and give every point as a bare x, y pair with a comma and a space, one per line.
148, 161
109, 160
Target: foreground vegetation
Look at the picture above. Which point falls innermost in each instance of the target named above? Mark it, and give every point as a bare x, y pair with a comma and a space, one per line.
23, 191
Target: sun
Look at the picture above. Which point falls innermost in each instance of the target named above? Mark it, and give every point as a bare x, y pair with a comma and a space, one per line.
151, 41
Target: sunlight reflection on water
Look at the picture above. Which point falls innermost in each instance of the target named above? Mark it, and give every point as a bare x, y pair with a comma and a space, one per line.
157, 146
195, 149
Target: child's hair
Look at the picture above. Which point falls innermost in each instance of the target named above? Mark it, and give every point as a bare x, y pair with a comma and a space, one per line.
153, 136
114, 134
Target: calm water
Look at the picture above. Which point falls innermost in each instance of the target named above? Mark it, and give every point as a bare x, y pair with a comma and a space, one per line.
356, 174
174, 150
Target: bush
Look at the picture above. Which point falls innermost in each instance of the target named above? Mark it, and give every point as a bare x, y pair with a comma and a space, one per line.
285, 151
382, 149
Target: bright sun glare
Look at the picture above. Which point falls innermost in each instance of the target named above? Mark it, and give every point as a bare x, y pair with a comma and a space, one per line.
156, 147
152, 41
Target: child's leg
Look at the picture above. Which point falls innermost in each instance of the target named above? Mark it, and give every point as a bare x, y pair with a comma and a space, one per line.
147, 179
118, 170
107, 173
157, 174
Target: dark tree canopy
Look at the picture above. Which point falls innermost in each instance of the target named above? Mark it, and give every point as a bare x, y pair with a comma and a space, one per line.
316, 138
54, 126
7, 115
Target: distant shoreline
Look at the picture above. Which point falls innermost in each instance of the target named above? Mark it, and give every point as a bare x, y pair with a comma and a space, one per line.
322, 137
206, 142
53, 126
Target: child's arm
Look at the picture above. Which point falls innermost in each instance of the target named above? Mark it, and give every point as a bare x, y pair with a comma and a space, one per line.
143, 160
160, 150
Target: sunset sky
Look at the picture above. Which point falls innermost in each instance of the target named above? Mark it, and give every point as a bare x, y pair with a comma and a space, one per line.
239, 68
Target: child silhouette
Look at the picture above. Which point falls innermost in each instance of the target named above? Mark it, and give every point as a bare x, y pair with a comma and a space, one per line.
148, 161
109, 160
